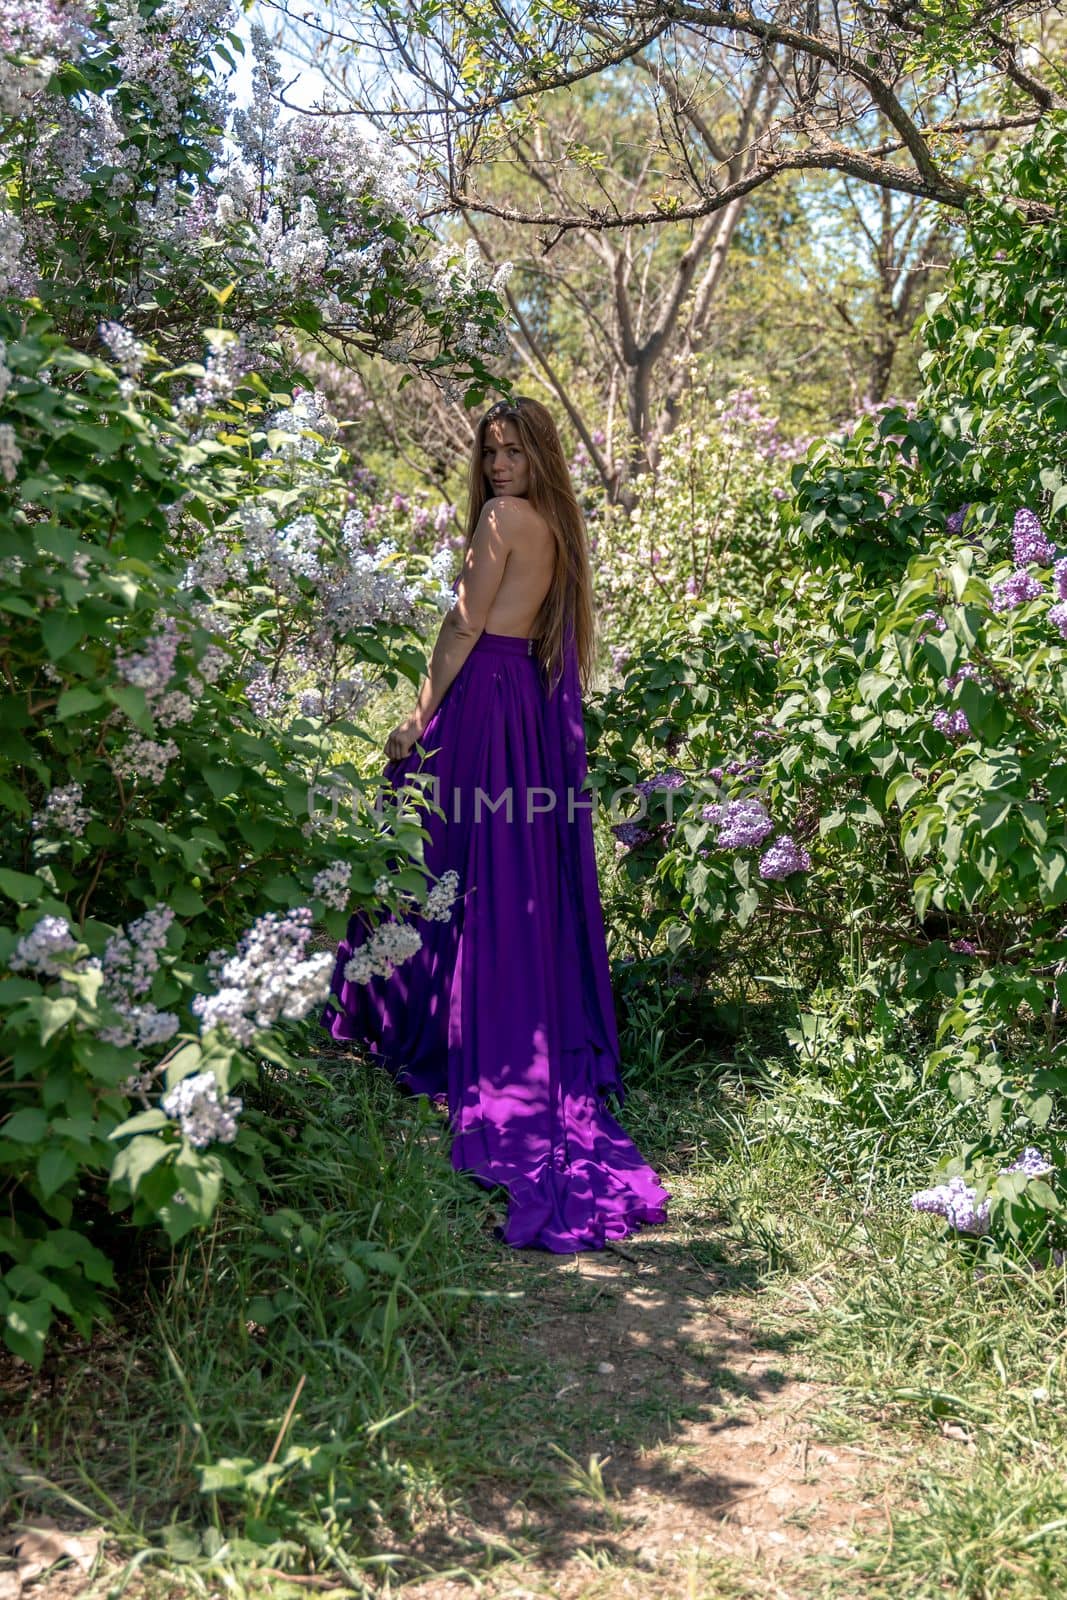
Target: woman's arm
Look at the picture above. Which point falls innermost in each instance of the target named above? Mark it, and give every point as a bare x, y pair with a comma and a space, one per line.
480, 579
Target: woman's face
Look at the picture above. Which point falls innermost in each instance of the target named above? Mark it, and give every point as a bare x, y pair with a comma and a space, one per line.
504, 461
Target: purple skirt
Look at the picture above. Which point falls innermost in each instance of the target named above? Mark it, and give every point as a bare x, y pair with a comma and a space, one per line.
506, 1010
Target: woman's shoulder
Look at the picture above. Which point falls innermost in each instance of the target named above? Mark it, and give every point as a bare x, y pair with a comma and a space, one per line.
510, 512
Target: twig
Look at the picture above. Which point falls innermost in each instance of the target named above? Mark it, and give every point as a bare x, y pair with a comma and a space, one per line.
287, 1419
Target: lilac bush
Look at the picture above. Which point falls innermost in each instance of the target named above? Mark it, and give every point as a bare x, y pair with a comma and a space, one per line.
195, 607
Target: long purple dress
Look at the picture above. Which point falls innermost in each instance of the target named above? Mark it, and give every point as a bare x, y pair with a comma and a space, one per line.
506, 1009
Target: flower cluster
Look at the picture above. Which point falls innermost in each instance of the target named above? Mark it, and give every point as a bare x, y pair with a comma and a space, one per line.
389, 944
1015, 591
44, 947
144, 759
672, 778
205, 1116
1029, 544
10, 454
953, 724
1032, 1162
739, 824
934, 617
269, 976
631, 834
783, 858
130, 959
129, 352
332, 884
63, 812
439, 901
956, 1200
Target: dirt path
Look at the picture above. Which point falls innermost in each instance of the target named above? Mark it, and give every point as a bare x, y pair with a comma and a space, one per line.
708, 1478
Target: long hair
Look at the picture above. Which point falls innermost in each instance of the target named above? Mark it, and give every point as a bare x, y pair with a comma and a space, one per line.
569, 602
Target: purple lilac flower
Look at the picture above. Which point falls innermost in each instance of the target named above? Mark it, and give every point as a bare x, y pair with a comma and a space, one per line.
1015, 591
938, 621
963, 947
716, 774
671, 779
741, 824
783, 858
631, 834
1032, 1162
1059, 578
1029, 542
955, 1201
1057, 615
968, 670
955, 520
953, 724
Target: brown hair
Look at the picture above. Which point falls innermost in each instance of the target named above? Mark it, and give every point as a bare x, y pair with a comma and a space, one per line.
569, 601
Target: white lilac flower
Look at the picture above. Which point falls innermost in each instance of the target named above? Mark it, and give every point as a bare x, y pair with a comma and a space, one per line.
131, 958
174, 708
211, 663
10, 454
332, 884
783, 858
387, 946
381, 886
40, 950
269, 976
15, 277
129, 352
143, 1026
205, 1116
63, 812
439, 901
152, 668
145, 759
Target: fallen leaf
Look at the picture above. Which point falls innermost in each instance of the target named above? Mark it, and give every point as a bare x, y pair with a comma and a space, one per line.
39, 1545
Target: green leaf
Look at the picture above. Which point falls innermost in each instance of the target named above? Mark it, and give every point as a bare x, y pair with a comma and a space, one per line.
25, 1326
138, 1158
21, 886
72, 702
61, 631
144, 1122
27, 1126
55, 1167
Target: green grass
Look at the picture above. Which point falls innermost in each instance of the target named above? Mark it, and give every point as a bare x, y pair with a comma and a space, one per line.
329, 1380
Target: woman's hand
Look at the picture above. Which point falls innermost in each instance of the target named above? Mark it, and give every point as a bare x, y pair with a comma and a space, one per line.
403, 738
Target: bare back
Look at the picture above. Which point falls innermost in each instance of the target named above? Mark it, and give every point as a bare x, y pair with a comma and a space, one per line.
528, 572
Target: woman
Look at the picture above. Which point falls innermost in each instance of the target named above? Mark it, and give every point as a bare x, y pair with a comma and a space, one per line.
506, 1009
